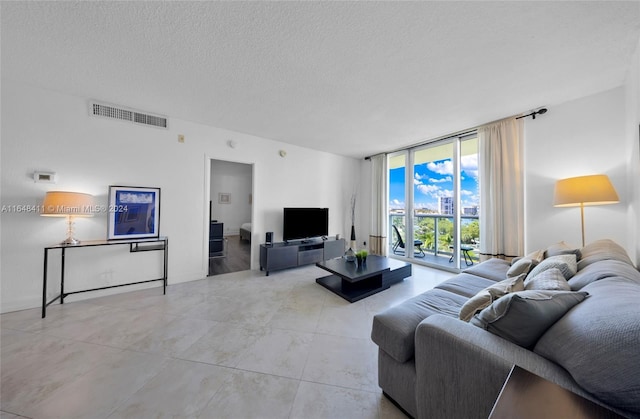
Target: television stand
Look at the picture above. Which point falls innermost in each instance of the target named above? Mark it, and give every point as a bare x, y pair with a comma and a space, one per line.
284, 255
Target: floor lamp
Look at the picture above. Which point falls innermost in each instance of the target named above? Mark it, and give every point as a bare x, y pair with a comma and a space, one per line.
70, 205
584, 190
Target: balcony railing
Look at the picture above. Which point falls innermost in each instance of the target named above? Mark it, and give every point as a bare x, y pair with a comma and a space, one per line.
435, 234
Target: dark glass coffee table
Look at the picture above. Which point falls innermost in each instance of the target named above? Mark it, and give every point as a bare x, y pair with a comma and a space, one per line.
354, 282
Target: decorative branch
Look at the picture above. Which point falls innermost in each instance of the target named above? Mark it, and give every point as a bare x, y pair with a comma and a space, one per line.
353, 209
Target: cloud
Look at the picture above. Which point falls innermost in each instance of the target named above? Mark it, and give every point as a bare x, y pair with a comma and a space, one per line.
396, 204
469, 165
428, 189
444, 179
441, 168
443, 193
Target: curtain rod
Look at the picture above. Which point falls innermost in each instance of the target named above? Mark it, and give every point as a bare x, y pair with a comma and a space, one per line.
467, 131
433, 140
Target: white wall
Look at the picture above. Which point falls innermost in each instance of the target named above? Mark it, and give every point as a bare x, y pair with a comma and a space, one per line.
581, 137
632, 91
236, 180
49, 131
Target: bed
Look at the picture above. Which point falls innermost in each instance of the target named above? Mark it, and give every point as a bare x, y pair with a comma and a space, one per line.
245, 232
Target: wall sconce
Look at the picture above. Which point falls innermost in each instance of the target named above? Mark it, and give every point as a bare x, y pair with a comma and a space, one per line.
70, 205
584, 190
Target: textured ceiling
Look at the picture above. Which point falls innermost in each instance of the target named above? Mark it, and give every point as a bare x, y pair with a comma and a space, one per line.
351, 78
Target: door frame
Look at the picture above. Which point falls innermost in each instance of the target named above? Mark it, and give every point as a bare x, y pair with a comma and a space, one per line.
206, 208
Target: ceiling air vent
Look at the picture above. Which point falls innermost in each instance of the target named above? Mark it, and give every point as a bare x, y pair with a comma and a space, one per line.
124, 114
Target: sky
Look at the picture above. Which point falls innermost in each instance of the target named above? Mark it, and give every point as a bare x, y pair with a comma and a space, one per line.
434, 179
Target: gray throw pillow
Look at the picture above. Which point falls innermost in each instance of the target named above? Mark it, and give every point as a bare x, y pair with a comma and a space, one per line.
488, 295
565, 263
562, 249
537, 256
522, 317
551, 279
521, 266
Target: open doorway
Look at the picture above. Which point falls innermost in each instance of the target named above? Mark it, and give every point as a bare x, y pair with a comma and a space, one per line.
230, 212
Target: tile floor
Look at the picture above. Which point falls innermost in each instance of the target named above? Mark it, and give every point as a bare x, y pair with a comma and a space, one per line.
238, 345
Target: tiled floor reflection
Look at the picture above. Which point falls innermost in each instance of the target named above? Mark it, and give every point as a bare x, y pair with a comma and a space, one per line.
240, 345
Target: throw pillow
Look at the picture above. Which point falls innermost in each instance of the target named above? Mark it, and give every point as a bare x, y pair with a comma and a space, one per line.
565, 263
562, 248
537, 256
551, 279
521, 266
488, 295
523, 317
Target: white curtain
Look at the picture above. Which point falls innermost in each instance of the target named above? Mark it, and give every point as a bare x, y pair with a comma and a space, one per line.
501, 190
378, 235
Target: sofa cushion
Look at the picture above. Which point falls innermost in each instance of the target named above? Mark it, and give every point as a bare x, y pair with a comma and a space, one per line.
598, 343
551, 279
562, 248
488, 295
602, 250
565, 263
522, 317
465, 284
394, 329
601, 270
494, 269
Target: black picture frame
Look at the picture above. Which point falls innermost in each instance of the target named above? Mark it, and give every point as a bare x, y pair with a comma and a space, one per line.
134, 212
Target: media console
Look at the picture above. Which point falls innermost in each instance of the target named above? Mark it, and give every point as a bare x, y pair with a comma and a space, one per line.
285, 255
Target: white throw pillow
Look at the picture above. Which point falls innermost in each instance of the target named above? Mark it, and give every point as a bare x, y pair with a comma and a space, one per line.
485, 297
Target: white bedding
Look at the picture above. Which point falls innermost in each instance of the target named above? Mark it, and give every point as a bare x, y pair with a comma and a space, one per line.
246, 226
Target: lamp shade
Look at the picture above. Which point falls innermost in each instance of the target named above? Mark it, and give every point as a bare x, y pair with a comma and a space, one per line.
584, 190
62, 204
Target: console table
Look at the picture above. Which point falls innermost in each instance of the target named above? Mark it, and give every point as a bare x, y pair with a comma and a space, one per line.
137, 245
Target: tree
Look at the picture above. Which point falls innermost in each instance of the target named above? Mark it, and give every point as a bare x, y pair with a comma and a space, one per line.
470, 232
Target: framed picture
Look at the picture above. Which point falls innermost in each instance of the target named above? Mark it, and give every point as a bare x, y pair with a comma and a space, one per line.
134, 212
224, 198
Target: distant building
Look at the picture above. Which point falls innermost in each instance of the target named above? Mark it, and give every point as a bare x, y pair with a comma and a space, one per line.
445, 203
470, 210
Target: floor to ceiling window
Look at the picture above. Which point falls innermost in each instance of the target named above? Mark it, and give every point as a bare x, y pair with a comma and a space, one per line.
437, 185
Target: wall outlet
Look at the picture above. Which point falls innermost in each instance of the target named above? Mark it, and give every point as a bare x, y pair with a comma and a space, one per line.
180, 138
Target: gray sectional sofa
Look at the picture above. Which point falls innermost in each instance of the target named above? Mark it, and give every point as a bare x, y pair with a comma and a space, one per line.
434, 365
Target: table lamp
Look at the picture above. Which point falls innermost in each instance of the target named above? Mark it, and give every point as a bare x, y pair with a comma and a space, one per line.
70, 205
584, 190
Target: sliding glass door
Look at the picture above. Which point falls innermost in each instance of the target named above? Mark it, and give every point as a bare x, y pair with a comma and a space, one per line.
437, 185
398, 203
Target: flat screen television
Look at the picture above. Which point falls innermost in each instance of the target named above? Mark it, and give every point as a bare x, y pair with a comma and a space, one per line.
305, 223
